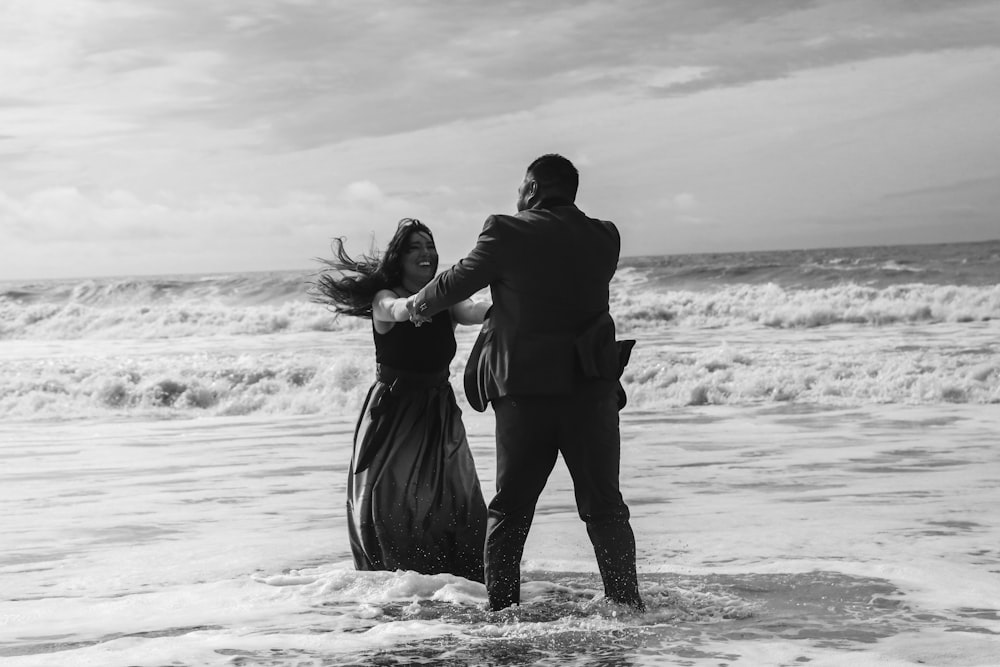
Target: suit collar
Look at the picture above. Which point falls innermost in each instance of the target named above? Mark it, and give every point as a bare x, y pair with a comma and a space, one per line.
552, 202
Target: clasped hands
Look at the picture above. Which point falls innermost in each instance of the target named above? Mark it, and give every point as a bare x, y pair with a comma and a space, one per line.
411, 308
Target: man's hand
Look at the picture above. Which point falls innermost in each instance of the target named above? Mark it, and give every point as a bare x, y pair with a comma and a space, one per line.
411, 308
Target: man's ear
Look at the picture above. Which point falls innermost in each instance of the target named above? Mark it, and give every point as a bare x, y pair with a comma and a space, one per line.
532, 192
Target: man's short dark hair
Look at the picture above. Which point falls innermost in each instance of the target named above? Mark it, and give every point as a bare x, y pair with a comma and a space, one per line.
555, 175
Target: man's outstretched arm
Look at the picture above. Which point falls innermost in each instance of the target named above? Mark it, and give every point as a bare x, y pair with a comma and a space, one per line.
468, 276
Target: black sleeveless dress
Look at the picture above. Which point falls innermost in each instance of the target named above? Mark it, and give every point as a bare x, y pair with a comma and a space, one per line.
413, 495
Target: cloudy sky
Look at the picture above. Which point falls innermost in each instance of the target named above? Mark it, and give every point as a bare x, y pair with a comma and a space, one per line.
176, 136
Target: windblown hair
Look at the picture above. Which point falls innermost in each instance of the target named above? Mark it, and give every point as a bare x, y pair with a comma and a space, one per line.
556, 175
349, 286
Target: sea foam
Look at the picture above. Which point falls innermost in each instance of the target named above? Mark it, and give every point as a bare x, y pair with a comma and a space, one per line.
710, 330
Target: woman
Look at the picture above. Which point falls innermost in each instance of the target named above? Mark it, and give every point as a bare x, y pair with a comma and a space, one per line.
413, 496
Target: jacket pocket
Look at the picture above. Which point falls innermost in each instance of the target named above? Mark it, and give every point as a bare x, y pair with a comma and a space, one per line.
597, 353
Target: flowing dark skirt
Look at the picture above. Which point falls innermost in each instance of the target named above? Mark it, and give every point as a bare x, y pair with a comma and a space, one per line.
413, 495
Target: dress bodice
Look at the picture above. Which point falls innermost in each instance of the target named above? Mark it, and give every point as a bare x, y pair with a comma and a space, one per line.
424, 349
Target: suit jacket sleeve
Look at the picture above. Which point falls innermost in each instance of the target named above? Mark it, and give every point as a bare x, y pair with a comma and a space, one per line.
465, 278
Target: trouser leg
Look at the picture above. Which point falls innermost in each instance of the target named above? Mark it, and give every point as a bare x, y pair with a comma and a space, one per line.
614, 547
505, 538
591, 445
526, 454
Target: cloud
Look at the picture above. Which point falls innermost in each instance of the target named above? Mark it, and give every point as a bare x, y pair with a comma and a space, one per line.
685, 206
685, 201
739, 45
303, 74
184, 121
67, 214
70, 214
957, 190
69, 232
365, 193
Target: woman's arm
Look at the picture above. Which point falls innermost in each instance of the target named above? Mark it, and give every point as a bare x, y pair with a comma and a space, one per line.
470, 312
387, 306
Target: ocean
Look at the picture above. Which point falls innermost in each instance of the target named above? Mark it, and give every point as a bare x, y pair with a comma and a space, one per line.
809, 451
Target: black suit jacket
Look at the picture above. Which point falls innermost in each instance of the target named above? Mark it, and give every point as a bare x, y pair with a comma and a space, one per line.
548, 269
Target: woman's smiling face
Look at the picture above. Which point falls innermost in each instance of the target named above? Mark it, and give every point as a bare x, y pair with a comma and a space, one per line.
420, 259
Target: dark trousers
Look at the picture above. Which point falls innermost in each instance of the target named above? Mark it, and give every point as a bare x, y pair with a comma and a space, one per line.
530, 433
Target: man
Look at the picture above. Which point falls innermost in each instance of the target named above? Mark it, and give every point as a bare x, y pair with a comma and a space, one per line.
548, 362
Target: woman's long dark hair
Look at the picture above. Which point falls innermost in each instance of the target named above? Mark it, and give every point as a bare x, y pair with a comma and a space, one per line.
348, 286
